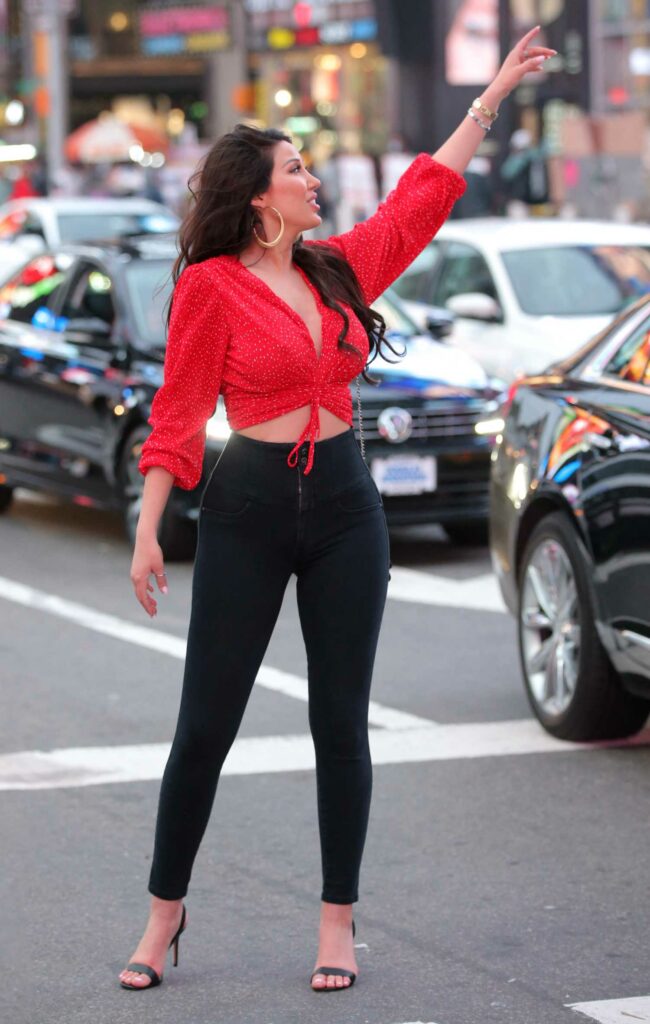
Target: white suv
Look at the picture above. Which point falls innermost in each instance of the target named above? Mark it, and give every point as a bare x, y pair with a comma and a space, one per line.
30, 226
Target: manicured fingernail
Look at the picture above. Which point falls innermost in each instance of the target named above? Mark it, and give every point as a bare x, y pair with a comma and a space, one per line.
164, 590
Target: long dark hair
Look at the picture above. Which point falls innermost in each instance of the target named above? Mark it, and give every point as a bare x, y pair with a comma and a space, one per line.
221, 219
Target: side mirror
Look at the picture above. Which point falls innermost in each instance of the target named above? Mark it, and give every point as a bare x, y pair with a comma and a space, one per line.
440, 325
475, 306
92, 327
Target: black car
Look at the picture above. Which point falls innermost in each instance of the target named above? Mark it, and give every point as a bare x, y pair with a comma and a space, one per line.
82, 344
570, 532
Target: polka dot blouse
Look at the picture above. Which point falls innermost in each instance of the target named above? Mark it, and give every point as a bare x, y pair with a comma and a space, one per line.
230, 333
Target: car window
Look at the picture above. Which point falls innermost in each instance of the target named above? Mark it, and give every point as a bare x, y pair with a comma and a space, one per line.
79, 227
31, 295
415, 284
463, 270
578, 280
91, 296
632, 360
395, 317
149, 285
32, 225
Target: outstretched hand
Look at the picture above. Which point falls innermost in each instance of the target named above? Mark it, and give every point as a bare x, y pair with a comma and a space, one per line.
522, 59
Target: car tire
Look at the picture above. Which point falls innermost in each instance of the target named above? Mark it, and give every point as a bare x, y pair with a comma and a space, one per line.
468, 532
6, 497
176, 534
571, 685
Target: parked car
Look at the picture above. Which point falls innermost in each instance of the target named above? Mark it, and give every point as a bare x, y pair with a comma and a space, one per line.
31, 226
570, 532
525, 292
82, 343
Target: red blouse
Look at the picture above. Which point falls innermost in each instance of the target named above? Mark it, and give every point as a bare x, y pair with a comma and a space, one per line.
230, 333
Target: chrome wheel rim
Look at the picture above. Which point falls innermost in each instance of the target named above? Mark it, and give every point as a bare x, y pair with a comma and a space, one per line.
133, 486
550, 628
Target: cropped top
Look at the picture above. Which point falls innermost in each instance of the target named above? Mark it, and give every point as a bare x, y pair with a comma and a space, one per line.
230, 333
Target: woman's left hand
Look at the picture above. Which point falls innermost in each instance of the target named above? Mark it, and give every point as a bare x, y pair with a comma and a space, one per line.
521, 60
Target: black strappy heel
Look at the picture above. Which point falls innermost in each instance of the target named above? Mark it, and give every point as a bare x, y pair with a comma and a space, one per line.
339, 972
156, 979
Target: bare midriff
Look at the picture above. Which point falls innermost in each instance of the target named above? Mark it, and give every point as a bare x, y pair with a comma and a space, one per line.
288, 427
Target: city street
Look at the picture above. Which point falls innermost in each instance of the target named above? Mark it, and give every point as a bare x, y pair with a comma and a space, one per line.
504, 877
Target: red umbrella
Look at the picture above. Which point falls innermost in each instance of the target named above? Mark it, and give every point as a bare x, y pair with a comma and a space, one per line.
109, 140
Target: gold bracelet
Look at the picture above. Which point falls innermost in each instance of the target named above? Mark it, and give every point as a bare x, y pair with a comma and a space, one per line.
482, 109
485, 127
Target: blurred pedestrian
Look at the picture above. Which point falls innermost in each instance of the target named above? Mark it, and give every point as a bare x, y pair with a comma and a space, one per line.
39, 175
478, 198
151, 189
283, 326
6, 185
525, 175
22, 185
329, 194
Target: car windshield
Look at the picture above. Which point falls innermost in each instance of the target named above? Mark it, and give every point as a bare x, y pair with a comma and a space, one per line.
578, 280
79, 227
149, 284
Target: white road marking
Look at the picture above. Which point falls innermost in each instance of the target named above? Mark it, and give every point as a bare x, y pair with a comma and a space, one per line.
91, 766
481, 593
289, 685
616, 1011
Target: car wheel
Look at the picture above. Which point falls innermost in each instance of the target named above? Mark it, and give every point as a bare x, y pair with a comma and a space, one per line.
572, 687
176, 535
6, 497
468, 532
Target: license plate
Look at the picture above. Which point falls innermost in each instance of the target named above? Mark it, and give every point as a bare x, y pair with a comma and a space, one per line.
405, 474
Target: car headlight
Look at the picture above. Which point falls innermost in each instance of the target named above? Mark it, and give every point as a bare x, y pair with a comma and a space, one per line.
492, 426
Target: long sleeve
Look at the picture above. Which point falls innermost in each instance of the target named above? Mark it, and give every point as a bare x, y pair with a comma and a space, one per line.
194, 359
382, 247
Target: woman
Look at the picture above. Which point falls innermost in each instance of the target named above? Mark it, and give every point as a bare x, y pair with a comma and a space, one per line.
280, 327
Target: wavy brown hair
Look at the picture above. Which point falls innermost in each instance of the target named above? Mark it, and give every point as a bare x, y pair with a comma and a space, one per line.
221, 219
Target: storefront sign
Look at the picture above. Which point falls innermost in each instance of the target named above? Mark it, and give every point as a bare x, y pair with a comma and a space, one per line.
170, 30
285, 24
337, 32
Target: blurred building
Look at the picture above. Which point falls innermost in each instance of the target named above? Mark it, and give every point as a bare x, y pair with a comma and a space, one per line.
585, 113
346, 76
318, 69
154, 56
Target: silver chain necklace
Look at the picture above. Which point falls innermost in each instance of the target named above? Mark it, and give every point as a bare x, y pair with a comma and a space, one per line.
362, 441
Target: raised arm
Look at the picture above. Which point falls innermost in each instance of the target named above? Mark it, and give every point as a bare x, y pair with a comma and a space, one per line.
382, 247
522, 60
196, 349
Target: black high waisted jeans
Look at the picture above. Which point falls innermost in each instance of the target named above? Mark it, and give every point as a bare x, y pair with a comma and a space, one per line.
261, 521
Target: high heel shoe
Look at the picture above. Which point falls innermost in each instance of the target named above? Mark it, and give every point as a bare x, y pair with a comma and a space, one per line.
156, 979
339, 972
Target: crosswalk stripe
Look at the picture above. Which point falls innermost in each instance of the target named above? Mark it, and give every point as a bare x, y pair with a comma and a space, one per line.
90, 766
480, 593
286, 683
616, 1011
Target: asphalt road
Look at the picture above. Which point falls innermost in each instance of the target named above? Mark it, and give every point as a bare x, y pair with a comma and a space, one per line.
505, 875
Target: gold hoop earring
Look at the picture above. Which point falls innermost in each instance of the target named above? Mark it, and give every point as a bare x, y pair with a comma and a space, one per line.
271, 245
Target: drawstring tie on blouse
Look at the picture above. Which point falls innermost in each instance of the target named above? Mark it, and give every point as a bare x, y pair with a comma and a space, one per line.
310, 433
